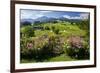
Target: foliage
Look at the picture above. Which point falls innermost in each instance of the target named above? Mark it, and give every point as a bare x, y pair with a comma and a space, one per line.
26, 23
60, 40
53, 28
47, 28
76, 48
27, 31
56, 31
84, 25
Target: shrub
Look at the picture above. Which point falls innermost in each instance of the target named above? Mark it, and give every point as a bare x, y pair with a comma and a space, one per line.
75, 41
76, 49
52, 47
26, 47
55, 45
47, 28
27, 31
56, 31
33, 48
53, 28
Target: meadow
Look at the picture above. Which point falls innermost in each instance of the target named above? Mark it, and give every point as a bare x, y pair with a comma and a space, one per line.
54, 41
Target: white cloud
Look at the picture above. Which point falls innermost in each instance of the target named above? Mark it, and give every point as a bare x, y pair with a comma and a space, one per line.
38, 15
30, 14
25, 15
67, 16
45, 11
82, 16
76, 17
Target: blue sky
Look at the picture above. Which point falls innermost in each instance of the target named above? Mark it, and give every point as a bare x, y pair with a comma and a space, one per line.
34, 14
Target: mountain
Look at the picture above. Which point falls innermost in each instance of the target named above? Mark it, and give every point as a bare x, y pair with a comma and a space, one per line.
42, 19
45, 19
63, 19
27, 20
48, 19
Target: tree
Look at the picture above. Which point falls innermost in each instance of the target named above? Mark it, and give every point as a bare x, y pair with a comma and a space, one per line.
26, 23
37, 22
27, 31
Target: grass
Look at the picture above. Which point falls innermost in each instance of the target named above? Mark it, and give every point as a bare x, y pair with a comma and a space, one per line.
27, 61
65, 30
62, 57
43, 32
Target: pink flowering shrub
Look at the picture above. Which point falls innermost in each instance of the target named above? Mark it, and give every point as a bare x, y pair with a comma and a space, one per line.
76, 48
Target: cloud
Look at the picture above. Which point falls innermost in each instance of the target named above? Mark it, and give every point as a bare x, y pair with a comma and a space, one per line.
72, 17
76, 17
67, 16
34, 14
25, 15
46, 11
82, 16
31, 14
39, 15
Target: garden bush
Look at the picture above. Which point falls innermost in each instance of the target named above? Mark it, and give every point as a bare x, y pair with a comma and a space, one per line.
76, 48
55, 45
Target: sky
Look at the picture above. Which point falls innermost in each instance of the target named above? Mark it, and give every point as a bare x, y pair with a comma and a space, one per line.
34, 14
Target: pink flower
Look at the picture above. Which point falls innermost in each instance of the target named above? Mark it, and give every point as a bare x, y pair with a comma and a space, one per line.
29, 45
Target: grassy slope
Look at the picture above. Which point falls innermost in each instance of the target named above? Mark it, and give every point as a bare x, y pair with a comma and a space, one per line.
65, 30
